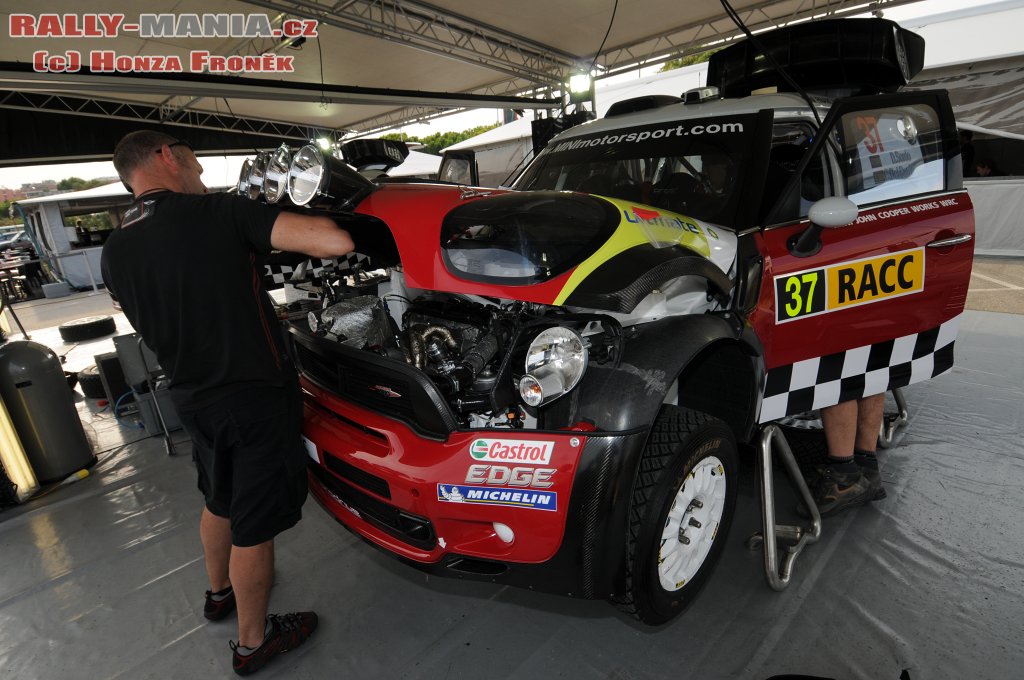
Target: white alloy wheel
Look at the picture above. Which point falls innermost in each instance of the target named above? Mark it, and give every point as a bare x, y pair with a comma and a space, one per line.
692, 524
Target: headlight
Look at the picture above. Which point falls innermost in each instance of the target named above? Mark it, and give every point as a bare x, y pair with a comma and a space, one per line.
257, 174
555, 363
243, 177
306, 174
276, 184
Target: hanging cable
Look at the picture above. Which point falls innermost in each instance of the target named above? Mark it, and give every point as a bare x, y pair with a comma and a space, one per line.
611, 22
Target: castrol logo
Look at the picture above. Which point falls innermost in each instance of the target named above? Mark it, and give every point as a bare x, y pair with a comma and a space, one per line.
512, 451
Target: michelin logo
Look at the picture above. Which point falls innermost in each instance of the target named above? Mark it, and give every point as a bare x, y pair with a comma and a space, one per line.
482, 495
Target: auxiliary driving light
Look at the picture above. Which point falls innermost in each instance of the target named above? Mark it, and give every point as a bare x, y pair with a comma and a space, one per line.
320, 181
306, 174
275, 186
257, 174
243, 178
555, 363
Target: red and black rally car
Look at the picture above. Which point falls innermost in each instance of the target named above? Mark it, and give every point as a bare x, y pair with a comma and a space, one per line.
547, 386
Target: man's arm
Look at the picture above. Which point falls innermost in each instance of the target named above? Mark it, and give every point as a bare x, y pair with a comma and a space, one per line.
314, 236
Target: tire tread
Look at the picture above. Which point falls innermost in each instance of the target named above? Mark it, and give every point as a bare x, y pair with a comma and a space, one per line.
672, 426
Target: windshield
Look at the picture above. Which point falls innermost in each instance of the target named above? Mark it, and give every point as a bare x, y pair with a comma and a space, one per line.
694, 168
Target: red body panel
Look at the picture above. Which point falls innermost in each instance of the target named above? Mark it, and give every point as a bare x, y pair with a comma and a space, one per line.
414, 213
414, 466
878, 231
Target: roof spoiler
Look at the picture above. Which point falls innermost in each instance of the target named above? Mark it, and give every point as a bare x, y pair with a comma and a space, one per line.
834, 57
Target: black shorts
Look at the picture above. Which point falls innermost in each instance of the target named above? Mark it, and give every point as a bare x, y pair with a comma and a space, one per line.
251, 461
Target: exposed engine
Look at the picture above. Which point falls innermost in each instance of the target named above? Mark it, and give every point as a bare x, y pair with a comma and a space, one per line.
480, 353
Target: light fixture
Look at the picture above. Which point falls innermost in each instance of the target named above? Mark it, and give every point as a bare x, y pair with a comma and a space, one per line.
305, 174
243, 177
555, 363
581, 87
275, 186
257, 174
325, 144
320, 181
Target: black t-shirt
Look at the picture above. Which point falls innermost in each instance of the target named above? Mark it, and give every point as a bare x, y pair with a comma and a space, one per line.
187, 271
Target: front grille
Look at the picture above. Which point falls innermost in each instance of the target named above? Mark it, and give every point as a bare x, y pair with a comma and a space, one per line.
351, 473
389, 387
412, 529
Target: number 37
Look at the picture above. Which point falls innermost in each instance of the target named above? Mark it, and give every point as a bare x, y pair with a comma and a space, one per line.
801, 293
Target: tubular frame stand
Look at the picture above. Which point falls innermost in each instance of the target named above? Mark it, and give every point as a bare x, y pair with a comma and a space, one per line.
778, 576
168, 443
5, 304
893, 421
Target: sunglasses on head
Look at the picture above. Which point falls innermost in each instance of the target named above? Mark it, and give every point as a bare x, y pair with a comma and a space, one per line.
174, 144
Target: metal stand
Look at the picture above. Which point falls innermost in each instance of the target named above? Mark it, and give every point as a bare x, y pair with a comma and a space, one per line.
5, 304
168, 443
799, 536
893, 421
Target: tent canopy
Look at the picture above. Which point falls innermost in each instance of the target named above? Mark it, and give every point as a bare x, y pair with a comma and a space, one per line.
373, 65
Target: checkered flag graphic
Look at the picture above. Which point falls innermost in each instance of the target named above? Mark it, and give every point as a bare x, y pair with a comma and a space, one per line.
860, 372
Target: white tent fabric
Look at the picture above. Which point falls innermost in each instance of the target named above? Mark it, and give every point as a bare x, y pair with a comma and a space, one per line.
998, 215
417, 164
987, 97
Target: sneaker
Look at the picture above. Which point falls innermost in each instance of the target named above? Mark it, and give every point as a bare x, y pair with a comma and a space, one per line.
285, 632
868, 464
834, 491
217, 609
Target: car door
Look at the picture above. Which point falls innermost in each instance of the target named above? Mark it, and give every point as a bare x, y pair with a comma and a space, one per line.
877, 305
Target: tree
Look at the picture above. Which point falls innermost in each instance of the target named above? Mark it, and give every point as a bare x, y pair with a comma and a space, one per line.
688, 60
78, 184
439, 140
6, 218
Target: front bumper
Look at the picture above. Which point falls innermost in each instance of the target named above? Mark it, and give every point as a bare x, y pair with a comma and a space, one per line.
395, 488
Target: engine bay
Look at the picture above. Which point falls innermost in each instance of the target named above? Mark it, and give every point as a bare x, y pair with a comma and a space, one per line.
497, 363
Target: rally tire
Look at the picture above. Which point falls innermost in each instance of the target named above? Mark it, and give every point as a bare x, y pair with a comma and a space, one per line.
87, 328
683, 445
91, 383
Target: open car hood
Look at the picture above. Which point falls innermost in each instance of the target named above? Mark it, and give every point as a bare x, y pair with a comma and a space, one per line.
547, 247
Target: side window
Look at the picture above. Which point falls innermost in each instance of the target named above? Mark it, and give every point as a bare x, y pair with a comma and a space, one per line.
891, 153
457, 168
790, 143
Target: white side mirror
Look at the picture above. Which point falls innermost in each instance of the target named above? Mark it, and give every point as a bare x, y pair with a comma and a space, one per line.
833, 212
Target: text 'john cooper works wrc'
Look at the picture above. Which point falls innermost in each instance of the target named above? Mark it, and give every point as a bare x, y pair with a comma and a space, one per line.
548, 386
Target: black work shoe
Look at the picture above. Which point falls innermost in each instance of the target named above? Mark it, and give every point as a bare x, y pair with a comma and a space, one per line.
215, 610
868, 464
285, 632
834, 491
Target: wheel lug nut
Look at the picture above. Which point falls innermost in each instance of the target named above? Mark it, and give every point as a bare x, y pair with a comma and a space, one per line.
696, 504
684, 539
694, 523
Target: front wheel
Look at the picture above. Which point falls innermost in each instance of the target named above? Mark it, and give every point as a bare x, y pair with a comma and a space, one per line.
683, 503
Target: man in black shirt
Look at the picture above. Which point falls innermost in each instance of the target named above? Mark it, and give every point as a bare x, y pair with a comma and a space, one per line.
186, 266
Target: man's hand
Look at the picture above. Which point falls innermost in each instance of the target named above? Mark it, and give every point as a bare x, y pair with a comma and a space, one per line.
314, 236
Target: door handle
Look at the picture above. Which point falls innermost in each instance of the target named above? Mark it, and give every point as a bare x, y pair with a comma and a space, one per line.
951, 241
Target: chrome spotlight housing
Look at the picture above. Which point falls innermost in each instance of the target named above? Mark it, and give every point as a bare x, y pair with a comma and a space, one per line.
257, 174
316, 180
243, 178
306, 175
275, 186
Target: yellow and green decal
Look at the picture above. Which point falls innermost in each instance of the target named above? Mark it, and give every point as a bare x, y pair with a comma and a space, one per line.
641, 225
848, 284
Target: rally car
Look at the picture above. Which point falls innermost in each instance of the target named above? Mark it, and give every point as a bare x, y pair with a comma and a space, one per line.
548, 386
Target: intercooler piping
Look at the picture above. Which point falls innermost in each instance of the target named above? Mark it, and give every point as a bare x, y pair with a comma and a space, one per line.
418, 340
423, 342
